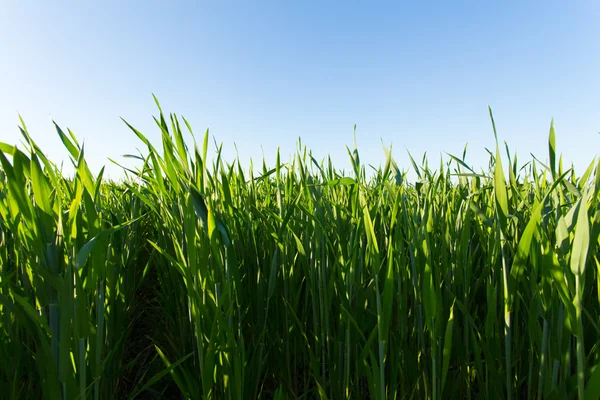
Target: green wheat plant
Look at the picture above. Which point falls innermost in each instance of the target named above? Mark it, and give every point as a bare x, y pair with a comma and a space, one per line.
68, 274
298, 279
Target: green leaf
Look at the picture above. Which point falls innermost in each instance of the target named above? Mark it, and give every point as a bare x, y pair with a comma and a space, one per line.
16, 188
447, 352
7, 148
500, 191
85, 251
582, 238
158, 376
73, 150
414, 164
524, 246
552, 149
592, 390
199, 206
341, 182
299, 245
30, 311
41, 186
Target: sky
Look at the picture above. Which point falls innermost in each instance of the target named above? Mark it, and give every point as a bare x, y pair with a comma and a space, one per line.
260, 75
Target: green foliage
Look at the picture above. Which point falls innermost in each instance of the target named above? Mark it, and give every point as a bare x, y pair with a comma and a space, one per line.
296, 281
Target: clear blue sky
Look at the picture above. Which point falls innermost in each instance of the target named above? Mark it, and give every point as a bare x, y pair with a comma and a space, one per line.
261, 74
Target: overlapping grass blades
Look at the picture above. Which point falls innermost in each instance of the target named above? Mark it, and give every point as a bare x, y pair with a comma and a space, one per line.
68, 275
300, 280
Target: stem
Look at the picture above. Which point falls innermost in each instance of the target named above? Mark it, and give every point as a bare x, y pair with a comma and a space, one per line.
433, 363
381, 340
507, 327
99, 337
556, 364
580, 359
543, 359
82, 369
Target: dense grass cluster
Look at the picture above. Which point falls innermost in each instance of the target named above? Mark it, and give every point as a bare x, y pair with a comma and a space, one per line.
301, 281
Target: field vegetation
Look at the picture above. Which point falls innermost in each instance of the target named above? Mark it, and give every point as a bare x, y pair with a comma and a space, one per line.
190, 279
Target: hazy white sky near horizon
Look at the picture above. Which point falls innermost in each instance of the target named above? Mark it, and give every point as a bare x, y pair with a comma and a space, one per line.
419, 76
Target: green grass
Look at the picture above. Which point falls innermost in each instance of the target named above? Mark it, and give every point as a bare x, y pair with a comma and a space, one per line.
298, 280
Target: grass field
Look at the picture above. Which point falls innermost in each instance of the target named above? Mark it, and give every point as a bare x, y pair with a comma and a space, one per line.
215, 281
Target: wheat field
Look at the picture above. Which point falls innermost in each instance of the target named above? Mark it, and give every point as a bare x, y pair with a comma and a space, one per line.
190, 279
